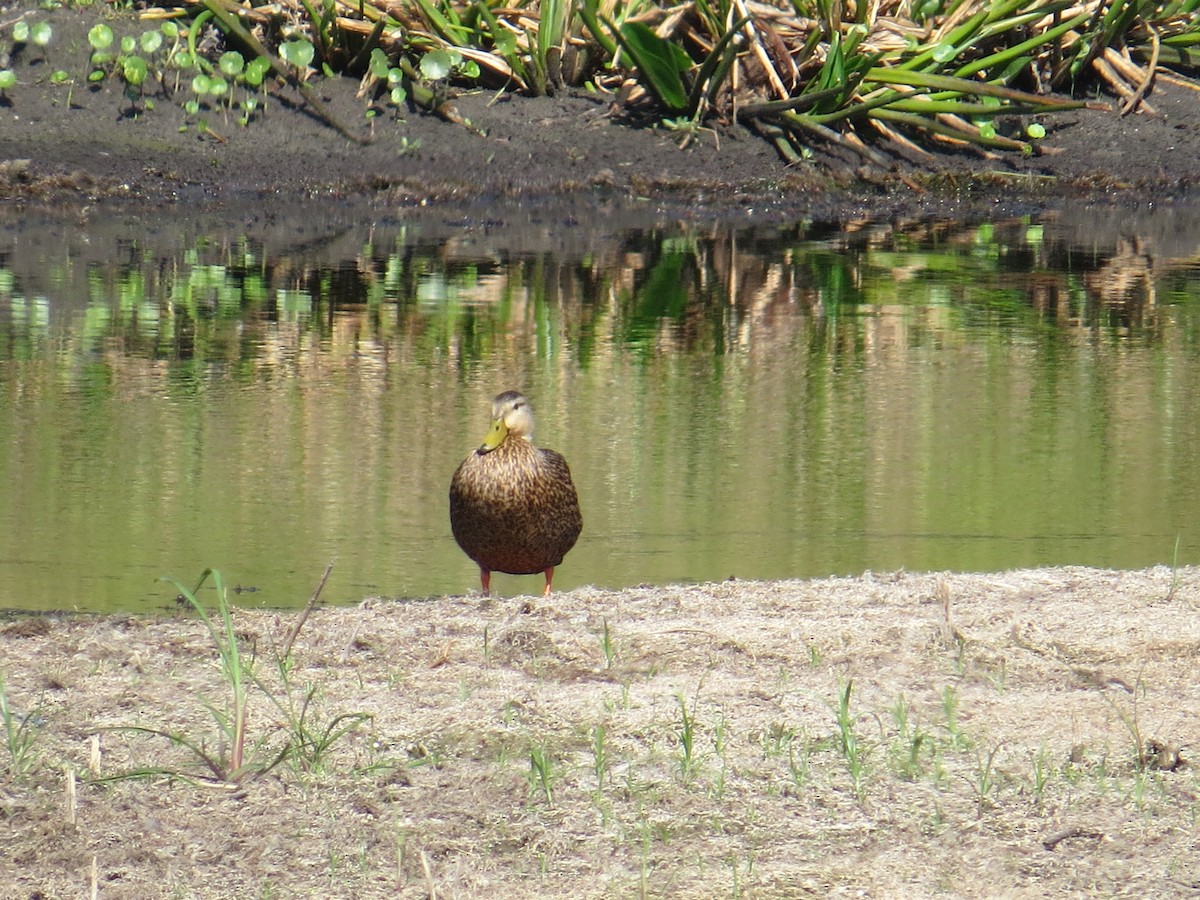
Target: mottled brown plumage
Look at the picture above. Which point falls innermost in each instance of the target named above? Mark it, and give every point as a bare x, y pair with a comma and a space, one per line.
513, 506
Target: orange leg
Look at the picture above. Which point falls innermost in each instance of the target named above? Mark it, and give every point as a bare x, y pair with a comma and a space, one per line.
549, 578
485, 579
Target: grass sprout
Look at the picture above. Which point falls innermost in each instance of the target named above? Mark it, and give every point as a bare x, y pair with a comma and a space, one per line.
304, 739
19, 736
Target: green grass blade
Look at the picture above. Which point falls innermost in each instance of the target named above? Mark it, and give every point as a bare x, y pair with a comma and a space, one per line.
715, 68
923, 124
588, 12
1002, 57
959, 85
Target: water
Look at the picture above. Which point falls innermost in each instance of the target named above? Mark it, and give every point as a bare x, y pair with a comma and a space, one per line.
788, 401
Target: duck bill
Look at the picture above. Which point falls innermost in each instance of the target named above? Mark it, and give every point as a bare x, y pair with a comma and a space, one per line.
495, 436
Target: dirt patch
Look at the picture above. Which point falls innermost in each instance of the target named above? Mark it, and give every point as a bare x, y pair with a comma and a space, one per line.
1026, 733
85, 141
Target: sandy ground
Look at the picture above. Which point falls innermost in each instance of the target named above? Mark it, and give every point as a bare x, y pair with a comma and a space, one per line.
1021, 734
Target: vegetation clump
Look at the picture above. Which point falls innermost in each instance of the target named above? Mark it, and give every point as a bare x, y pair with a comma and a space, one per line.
798, 72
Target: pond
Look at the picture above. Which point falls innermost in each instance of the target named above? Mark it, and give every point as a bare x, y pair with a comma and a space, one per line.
269, 394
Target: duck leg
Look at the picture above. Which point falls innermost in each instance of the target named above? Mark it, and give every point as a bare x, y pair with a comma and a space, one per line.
549, 578
485, 580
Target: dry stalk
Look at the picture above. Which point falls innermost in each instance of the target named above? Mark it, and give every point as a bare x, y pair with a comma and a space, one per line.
428, 870
94, 757
1123, 73
72, 797
1132, 103
312, 601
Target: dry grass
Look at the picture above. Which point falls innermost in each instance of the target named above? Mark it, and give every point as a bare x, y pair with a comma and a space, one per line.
895, 735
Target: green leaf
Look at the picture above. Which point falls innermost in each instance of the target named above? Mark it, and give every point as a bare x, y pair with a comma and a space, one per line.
256, 71
944, 52
8, 79
659, 62
101, 37
20, 32
1035, 130
379, 63
298, 53
398, 95
150, 41
41, 33
134, 70
231, 63
436, 64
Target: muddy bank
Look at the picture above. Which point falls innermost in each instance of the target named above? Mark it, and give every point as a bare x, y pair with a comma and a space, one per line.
81, 143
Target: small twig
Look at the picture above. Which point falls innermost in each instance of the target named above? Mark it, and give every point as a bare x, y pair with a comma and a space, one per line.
312, 601
1151, 69
428, 872
1053, 840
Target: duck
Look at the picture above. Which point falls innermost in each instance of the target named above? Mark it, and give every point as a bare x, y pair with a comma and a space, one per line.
513, 505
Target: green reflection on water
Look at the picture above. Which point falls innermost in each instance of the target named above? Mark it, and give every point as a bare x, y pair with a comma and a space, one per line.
759, 403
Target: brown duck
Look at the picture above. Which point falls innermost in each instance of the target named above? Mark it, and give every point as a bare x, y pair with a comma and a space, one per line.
513, 506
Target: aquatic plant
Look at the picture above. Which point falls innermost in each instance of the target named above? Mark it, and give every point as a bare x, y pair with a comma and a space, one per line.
982, 73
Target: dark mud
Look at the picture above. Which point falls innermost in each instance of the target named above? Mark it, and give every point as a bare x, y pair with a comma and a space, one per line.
69, 145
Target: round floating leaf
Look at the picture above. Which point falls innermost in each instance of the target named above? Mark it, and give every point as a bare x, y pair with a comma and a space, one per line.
191, 107
20, 32
256, 71
184, 59
298, 53
399, 95
169, 30
436, 64
217, 86
41, 33
1035, 130
470, 69
201, 83
987, 130
96, 75
101, 37
231, 63
8, 79
379, 63
60, 77
394, 76
150, 41
134, 70
128, 43
506, 42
